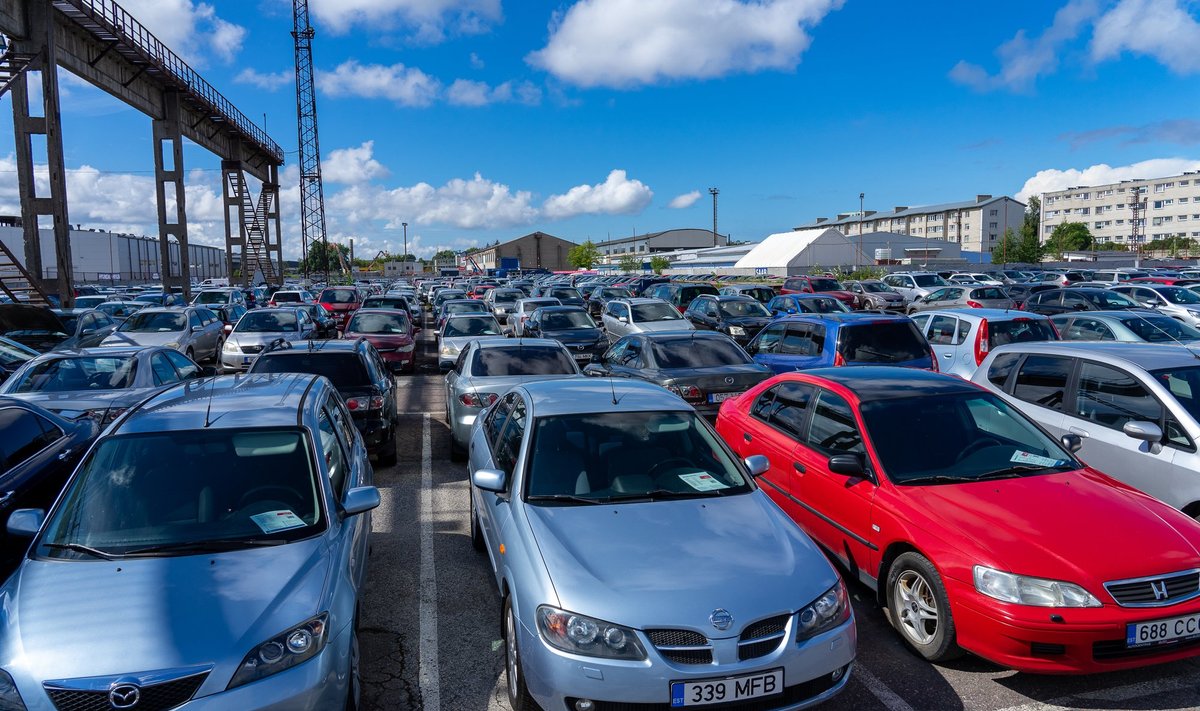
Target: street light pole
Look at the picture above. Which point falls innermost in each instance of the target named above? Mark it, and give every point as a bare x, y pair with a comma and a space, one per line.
713, 192
404, 265
860, 229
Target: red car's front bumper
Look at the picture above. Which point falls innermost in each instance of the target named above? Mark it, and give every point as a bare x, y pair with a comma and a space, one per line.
1085, 641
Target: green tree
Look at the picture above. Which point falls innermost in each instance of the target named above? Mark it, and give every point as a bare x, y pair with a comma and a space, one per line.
1069, 237
630, 264
322, 257
583, 256
446, 254
1025, 249
658, 265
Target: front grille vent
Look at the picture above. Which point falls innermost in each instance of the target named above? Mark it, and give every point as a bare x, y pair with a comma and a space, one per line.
681, 646
1156, 591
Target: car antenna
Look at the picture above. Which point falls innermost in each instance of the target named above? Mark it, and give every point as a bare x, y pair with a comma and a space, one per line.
613, 389
208, 405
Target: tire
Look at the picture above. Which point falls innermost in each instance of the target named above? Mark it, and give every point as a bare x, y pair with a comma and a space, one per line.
354, 690
476, 535
518, 694
217, 353
919, 608
387, 455
191, 355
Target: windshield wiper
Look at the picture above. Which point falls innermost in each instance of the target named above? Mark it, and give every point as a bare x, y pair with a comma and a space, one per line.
665, 494
1019, 469
212, 544
936, 479
80, 548
564, 497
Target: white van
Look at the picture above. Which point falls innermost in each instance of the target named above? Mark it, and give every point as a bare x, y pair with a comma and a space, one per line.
214, 283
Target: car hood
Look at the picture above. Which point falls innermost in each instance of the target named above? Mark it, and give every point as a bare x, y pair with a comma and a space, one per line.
675, 324
627, 563
754, 322
149, 338
72, 404
575, 335
143, 614
1072, 526
251, 338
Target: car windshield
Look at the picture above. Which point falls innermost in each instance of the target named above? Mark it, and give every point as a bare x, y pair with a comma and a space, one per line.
872, 287
615, 293
267, 322
13, 353
338, 296
825, 285
627, 455
1179, 295
212, 297
506, 296
1160, 329
90, 373
980, 437
886, 342
286, 297
517, 359
186, 491
68, 322
566, 321
344, 370
1019, 330
741, 309
119, 310
821, 305
654, 312
674, 353
1108, 299
154, 322
927, 280
471, 326
384, 324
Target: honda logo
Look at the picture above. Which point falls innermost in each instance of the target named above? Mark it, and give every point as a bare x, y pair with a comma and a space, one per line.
1160, 589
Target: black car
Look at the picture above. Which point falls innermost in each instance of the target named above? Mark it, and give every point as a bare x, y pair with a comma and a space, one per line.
38, 452
44, 330
1061, 301
360, 376
568, 295
598, 296
703, 368
1019, 293
570, 326
762, 293
739, 317
638, 285
326, 326
13, 355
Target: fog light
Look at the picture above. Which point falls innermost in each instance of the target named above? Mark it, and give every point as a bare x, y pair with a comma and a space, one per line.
585, 705
838, 673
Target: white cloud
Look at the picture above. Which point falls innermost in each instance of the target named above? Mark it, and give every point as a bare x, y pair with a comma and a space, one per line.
407, 86
1102, 173
623, 43
191, 29
1161, 29
685, 200
429, 20
476, 62
352, 166
465, 92
270, 81
617, 195
466, 204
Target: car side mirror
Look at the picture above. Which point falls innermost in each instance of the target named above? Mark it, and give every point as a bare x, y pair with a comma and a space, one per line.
492, 480
847, 465
752, 347
1147, 432
360, 499
757, 464
26, 522
1072, 442
596, 370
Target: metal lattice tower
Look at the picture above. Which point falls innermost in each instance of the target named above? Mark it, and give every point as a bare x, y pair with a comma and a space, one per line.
312, 195
1137, 235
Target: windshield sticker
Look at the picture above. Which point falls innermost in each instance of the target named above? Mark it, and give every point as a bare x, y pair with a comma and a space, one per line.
272, 521
1020, 457
701, 481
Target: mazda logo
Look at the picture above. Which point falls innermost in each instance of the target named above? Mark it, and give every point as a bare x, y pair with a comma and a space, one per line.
721, 619
579, 348
729, 381
124, 696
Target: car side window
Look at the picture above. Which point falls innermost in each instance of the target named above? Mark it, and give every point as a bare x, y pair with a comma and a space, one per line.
833, 429
1072, 300
613, 355
194, 319
103, 320
331, 449
942, 330
508, 447
769, 339
790, 408
764, 404
922, 320
1001, 367
187, 369
496, 419
1090, 329
632, 357
87, 324
1042, 380
799, 341
22, 435
164, 372
1111, 397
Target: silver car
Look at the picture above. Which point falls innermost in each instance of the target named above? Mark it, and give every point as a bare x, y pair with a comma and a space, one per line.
1174, 301
503, 301
1134, 407
963, 297
194, 331
638, 563
260, 328
209, 553
962, 338
914, 284
491, 366
524, 308
459, 330
1129, 326
622, 317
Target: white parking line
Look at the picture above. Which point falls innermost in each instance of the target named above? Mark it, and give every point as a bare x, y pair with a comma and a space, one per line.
880, 690
1088, 699
427, 674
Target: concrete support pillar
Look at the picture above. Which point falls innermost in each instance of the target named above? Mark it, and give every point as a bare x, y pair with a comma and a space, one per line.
168, 181
234, 182
44, 120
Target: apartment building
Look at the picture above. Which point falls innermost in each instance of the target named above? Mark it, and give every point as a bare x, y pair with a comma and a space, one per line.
975, 225
1170, 208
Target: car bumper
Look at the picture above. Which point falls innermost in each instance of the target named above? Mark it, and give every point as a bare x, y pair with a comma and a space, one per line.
398, 359
556, 679
462, 419
237, 362
1089, 640
374, 431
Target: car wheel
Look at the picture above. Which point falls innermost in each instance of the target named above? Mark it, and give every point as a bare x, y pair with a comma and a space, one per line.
217, 352
518, 695
354, 683
476, 534
190, 354
387, 455
919, 608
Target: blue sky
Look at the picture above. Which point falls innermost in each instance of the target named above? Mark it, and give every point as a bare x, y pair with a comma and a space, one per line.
478, 120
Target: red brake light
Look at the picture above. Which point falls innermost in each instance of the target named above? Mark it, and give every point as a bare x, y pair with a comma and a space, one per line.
981, 342
975, 304
933, 359
838, 360
375, 402
477, 399
687, 392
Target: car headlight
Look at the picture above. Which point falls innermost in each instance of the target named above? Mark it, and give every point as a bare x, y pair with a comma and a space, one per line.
296, 646
10, 697
1037, 592
590, 637
407, 349
737, 331
172, 344
824, 613
448, 351
230, 347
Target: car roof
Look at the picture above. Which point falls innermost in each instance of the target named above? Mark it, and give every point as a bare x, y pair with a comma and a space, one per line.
989, 314
883, 382
325, 345
1146, 356
572, 396
517, 342
639, 300
845, 318
229, 402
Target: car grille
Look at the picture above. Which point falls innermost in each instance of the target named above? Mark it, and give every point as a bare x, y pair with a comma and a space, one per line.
681, 646
795, 694
1156, 591
762, 637
252, 349
1115, 650
154, 697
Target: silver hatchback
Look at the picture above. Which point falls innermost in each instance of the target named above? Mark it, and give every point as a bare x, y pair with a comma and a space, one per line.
622, 317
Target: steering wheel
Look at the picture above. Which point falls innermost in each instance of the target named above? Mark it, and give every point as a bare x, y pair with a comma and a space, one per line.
976, 446
653, 473
289, 495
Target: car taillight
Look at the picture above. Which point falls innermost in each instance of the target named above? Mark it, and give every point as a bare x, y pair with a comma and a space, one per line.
687, 392
271, 303
974, 304
375, 402
228, 328
105, 416
477, 399
981, 342
933, 360
838, 359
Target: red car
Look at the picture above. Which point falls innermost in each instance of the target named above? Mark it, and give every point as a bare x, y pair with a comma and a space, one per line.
390, 331
341, 302
1169, 281
978, 530
818, 285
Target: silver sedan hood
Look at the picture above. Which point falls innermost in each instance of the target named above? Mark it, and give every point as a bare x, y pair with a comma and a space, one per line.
256, 338
627, 563
144, 338
460, 342
678, 324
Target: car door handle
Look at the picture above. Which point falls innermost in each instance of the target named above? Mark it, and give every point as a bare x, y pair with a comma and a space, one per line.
947, 355
747, 436
7, 495
1079, 431
800, 468
62, 456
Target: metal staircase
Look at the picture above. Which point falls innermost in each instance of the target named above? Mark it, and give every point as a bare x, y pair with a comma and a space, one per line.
12, 65
255, 255
16, 283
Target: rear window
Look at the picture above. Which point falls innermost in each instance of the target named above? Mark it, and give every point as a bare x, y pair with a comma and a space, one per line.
887, 342
338, 296
291, 297
825, 285
344, 370
989, 293
1020, 330
687, 293
687, 353
522, 360
927, 280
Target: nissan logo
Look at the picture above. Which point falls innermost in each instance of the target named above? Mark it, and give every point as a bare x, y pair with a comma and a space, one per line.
721, 619
124, 696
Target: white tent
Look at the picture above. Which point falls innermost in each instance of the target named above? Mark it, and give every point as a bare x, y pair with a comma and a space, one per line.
798, 251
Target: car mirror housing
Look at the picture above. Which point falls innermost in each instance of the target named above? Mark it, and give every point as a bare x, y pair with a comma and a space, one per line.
1072, 442
25, 522
847, 465
595, 370
492, 480
757, 464
359, 500
1147, 432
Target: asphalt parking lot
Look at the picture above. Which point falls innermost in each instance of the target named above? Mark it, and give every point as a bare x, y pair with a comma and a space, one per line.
431, 615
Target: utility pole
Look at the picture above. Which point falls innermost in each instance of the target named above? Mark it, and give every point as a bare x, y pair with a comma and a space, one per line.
713, 192
404, 266
859, 253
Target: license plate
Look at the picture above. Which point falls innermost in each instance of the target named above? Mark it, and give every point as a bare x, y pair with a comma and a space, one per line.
719, 691
245, 360
722, 397
582, 356
1155, 632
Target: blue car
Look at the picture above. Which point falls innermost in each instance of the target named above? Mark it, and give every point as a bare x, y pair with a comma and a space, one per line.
805, 304
209, 551
803, 341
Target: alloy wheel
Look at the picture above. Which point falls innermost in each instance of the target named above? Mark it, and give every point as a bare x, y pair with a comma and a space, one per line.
916, 607
510, 634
